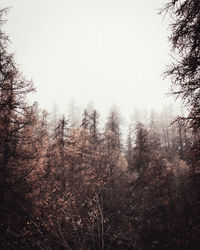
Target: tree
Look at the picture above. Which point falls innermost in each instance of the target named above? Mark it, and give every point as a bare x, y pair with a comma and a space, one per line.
129, 148
185, 75
85, 119
112, 130
19, 155
141, 151
185, 41
93, 126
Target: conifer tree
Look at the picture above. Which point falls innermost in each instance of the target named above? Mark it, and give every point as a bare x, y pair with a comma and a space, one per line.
18, 154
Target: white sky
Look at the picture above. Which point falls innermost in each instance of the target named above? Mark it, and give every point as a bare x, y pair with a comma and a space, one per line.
105, 51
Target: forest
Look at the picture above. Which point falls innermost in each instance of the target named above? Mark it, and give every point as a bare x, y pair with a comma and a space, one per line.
81, 185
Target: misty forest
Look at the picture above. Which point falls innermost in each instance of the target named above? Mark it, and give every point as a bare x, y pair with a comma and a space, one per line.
69, 183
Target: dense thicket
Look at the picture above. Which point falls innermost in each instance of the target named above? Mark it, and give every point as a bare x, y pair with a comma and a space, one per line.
69, 184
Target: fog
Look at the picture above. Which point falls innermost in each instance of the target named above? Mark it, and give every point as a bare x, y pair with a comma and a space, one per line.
105, 52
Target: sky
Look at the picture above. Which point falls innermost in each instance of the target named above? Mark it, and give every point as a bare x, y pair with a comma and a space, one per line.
101, 51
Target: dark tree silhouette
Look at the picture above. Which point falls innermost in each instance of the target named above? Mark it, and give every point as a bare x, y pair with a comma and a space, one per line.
18, 153
185, 41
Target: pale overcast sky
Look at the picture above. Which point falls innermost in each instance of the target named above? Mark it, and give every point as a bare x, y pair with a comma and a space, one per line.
105, 51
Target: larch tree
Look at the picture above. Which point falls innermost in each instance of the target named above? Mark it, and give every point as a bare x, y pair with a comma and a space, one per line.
141, 151
19, 155
129, 147
185, 70
93, 127
112, 141
112, 130
85, 119
185, 40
